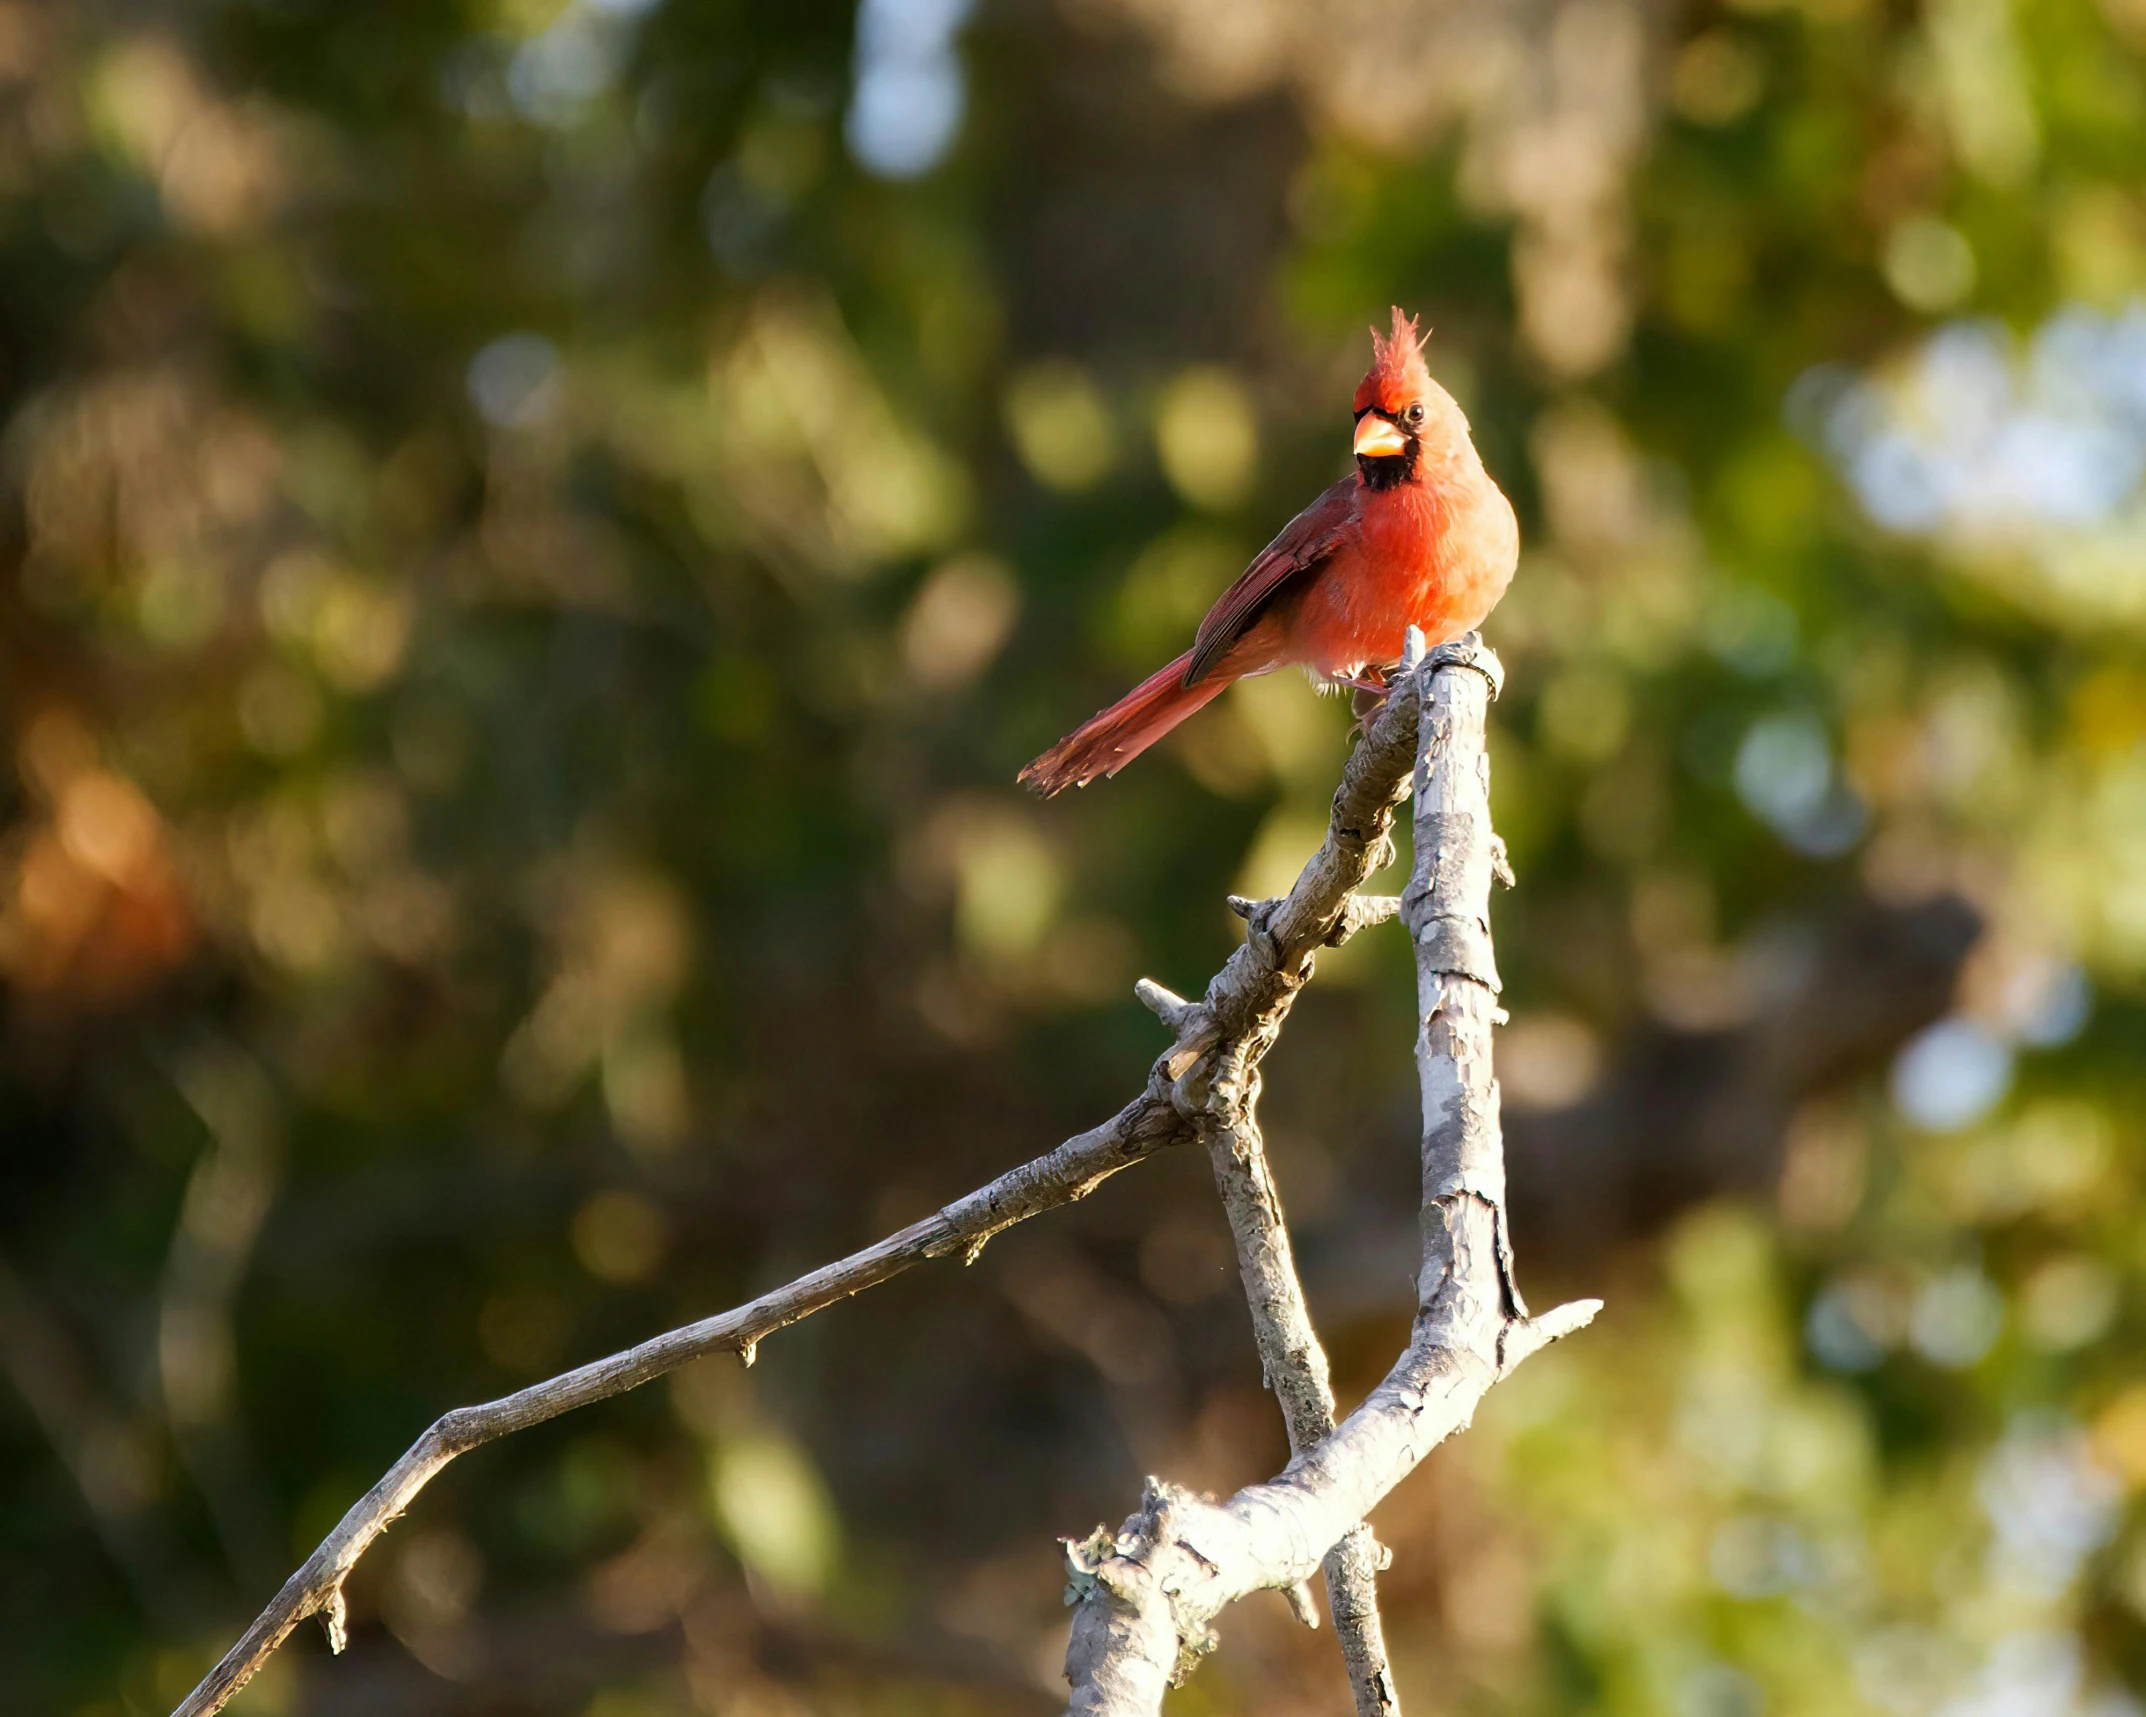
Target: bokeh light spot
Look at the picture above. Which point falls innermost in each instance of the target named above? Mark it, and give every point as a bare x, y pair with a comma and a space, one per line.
1950, 1075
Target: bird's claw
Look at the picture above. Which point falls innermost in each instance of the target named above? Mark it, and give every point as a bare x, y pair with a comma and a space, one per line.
1469, 651
1370, 687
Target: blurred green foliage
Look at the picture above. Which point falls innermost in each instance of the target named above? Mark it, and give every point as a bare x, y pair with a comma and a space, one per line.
537, 536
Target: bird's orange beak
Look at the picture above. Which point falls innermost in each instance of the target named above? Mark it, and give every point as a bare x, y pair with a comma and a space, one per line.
1378, 439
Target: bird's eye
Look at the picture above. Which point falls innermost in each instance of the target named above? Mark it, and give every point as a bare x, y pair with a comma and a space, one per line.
1415, 412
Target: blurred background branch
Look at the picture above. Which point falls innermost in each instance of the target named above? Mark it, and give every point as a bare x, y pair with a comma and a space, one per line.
103, 1453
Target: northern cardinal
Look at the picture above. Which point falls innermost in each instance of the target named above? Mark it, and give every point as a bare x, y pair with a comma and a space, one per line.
1418, 535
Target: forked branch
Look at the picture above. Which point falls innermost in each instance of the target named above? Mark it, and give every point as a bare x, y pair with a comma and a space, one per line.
1243, 1009
1292, 1361
1147, 1595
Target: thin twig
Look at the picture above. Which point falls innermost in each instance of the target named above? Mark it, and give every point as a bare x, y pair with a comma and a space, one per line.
1148, 1594
1070, 1172
1295, 1367
1246, 1004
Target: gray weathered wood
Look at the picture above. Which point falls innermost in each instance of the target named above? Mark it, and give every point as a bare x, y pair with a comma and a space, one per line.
1292, 1362
1243, 1006
1146, 1596
1294, 1365
1070, 1172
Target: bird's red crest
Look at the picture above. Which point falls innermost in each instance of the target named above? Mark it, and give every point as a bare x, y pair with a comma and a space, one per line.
1398, 373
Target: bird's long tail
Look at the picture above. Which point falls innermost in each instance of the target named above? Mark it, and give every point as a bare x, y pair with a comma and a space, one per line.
1106, 743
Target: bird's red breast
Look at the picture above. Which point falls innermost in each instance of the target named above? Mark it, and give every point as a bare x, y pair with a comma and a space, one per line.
1419, 535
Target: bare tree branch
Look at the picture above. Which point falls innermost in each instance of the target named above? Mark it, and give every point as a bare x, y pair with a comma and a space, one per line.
1243, 1008
1147, 1595
1070, 1172
1292, 1361
1295, 1367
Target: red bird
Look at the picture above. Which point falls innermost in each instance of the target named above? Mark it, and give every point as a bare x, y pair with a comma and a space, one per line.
1418, 536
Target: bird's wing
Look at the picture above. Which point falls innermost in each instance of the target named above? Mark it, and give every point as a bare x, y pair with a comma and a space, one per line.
1304, 542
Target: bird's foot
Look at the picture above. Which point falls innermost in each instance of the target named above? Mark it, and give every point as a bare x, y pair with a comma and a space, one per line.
1369, 689
1469, 651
